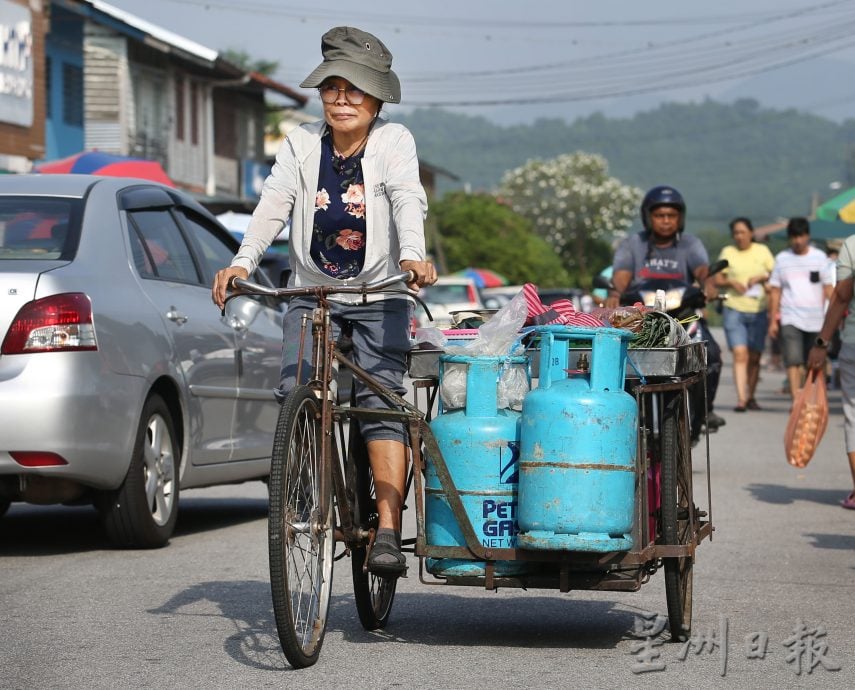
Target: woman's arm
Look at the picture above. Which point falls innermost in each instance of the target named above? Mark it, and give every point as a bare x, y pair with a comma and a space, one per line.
273, 211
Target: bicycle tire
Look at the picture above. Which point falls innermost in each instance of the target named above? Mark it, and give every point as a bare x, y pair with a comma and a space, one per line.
300, 529
373, 594
676, 472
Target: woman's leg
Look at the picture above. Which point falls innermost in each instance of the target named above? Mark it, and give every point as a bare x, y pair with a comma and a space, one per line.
389, 466
852, 470
737, 340
753, 372
740, 373
380, 343
757, 328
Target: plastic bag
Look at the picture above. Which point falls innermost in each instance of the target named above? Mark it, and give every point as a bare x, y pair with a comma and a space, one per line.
430, 337
498, 337
808, 420
628, 318
513, 385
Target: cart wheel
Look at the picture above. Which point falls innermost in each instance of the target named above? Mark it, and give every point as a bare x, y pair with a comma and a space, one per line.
676, 485
300, 529
373, 594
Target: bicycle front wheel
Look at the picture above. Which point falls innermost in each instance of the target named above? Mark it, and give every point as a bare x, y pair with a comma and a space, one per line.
300, 529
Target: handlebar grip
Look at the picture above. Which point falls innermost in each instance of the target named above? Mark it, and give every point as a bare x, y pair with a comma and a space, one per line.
232, 283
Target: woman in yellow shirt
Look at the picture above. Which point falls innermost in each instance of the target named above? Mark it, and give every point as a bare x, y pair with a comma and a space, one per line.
745, 319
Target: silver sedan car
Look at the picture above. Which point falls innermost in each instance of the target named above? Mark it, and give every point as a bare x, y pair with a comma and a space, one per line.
120, 381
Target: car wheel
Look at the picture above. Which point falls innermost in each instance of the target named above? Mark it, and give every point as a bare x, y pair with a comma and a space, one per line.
142, 512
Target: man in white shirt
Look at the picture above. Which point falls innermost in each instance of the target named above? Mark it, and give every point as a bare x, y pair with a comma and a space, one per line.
799, 289
842, 301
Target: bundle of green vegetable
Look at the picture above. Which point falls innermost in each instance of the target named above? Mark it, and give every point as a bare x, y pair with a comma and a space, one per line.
659, 330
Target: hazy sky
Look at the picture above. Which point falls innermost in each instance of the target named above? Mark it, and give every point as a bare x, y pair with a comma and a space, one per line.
516, 61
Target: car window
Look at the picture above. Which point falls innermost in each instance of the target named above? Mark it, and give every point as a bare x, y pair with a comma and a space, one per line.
446, 294
216, 253
159, 249
38, 227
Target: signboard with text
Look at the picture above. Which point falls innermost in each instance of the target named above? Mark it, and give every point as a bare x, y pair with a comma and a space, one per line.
16, 64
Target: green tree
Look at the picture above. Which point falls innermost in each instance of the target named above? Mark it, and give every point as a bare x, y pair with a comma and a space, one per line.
478, 230
575, 205
242, 59
268, 68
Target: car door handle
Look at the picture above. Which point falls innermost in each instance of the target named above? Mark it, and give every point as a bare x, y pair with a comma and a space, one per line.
174, 315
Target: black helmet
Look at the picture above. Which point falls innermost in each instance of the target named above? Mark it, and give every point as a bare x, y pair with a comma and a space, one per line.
663, 195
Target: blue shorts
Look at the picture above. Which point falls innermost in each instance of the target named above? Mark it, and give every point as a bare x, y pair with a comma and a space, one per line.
381, 341
745, 330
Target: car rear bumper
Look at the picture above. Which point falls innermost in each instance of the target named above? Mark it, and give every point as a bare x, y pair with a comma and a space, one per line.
70, 404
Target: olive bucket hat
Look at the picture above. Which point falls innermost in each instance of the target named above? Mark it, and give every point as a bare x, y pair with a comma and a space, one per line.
360, 58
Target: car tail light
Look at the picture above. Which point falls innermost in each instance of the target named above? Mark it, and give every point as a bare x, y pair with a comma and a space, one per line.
37, 458
52, 324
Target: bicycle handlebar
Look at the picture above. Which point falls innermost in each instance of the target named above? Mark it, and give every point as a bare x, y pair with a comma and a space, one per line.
242, 286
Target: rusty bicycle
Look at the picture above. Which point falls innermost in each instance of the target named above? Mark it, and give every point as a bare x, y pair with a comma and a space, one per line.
468, 534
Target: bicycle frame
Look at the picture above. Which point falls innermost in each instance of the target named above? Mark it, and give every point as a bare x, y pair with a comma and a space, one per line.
325, 358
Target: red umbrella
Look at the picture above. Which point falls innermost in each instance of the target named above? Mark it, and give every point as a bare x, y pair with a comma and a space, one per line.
100, 163
484, 277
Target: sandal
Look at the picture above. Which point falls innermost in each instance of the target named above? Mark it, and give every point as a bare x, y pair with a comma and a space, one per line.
386, 559
849, 501
752, 405
740, 408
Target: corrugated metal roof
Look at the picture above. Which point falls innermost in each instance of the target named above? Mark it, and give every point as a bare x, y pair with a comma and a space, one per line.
158, 33
273, 85
170, 42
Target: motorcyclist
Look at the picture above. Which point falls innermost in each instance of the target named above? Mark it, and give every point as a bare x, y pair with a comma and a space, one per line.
662, 252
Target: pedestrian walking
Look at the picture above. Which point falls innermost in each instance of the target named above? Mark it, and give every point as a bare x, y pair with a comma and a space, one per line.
799, 288
744, 313
842, 301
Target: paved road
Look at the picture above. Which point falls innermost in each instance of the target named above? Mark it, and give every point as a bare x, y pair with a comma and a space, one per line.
198, 613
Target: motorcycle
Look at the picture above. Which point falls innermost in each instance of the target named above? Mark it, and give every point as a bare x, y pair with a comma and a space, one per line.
685, 303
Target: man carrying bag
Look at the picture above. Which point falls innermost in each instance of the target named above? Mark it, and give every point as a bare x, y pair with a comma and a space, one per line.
841, 302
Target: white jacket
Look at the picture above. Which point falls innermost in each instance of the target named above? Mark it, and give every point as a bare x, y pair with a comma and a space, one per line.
395, 206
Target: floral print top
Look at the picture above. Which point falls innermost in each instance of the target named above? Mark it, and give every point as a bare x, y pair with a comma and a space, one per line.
338, 230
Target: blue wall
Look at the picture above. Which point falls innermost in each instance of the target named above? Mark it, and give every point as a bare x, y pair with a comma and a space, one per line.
63, 46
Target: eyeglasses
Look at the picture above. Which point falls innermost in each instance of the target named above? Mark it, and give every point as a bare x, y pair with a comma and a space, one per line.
329, 94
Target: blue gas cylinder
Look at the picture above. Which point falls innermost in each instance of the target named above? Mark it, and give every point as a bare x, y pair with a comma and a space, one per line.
480, 447
578, 442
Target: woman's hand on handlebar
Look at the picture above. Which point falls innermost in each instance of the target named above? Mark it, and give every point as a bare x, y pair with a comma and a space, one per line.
424, 271
221, 283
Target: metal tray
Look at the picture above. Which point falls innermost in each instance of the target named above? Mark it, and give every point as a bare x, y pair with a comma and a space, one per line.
670, 361
423, 364
666, 361
660, 361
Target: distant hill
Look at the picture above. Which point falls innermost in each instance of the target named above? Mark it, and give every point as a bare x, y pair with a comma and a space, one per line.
727, 159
